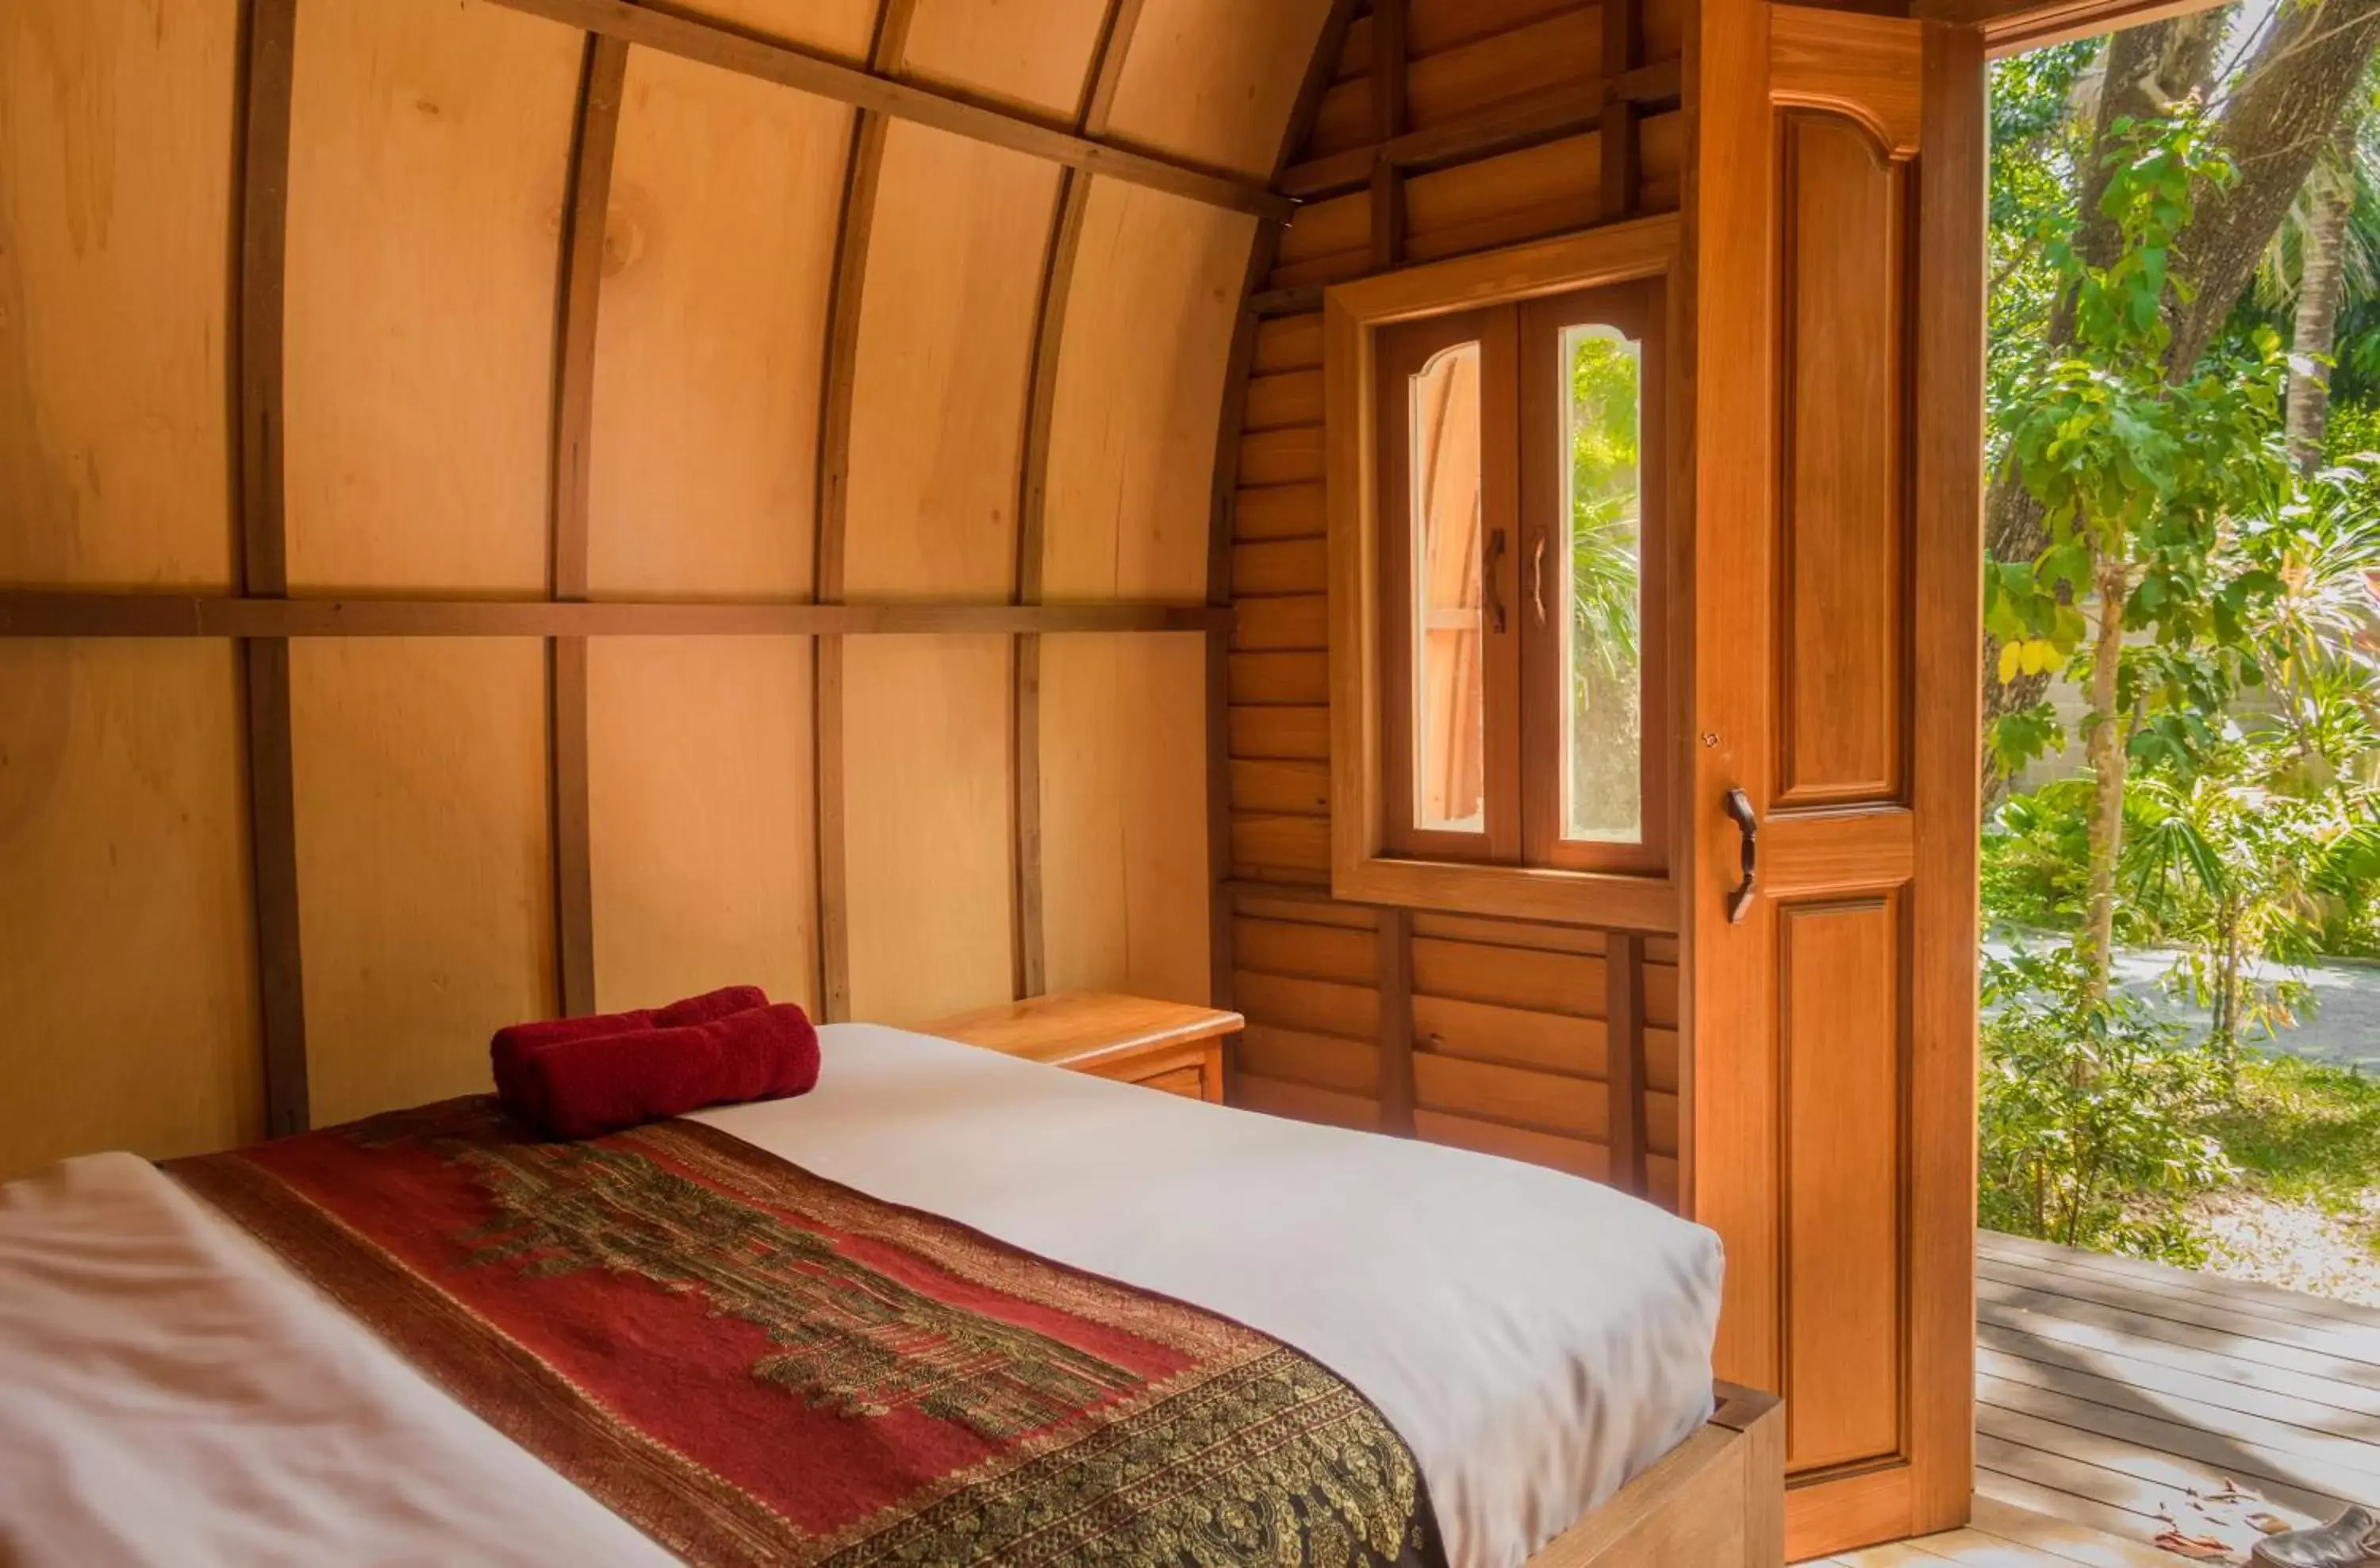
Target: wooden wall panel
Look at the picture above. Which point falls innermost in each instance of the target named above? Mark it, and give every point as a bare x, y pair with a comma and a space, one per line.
1562, 47
946, 318
927, 824
1032, 54
703, 845
1842, 616
115, 205
429, 148
1124, 884
1214, 80
128, 981
704, 457
423, 861
1505, 1023
1132, 445
1844, 1121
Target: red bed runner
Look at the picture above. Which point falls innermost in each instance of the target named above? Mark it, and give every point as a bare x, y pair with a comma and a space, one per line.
755, 1365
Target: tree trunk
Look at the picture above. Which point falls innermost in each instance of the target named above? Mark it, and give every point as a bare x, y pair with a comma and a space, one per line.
2228, 967
2148, 69
2280, 122
2322, 287
2107, 767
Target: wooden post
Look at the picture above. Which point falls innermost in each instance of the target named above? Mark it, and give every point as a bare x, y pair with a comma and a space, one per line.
859, 218
1091, 113
1223, 507
1387, 123
582, 279
272, 26
1621, 143
1396, 1021
1624, 1045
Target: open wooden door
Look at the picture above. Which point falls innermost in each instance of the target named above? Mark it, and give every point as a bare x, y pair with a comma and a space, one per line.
1839, 253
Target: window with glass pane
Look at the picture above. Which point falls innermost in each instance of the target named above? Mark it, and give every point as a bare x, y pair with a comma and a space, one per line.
1602, 669
1447, 628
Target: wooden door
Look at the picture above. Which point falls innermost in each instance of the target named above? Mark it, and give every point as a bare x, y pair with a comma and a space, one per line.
1838, 394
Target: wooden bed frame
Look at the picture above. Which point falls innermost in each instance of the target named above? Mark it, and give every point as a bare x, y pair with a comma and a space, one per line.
1717, 1501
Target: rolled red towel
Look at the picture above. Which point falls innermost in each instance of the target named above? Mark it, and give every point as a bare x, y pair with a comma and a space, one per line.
514, 1042
583, 1089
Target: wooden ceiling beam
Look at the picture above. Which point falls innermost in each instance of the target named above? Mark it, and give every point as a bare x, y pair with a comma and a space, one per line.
839, 372
713, 45
1539, 116
26, 613
1101, 77
602, 81
265, 86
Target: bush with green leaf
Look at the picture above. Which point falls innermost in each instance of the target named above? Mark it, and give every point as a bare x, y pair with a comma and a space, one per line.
2092, 1114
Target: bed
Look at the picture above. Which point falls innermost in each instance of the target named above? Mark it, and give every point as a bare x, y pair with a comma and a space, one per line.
1536, 1346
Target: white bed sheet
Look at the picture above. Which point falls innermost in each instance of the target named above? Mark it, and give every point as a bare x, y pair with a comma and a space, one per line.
171, 1394
1537, 1339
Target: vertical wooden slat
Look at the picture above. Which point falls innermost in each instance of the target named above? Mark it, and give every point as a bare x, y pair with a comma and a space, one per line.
271, 27
1729, 1129
858, 221
1948, 541
1223, 501
1099, 82
1389, 122
1623, 1036
1621, 142
574, 399
1395, 947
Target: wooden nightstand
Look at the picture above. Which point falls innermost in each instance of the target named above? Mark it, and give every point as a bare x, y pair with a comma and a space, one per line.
1164, 1045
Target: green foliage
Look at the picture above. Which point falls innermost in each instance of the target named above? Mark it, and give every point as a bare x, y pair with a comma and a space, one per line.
2037, 148
2139, 477
1605, 439
2035, 847
2304, 1131
1606, 575
2242, 691
2092, 1114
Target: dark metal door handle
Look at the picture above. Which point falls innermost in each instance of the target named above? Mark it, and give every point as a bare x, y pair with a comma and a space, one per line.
1747, 822
1491, 579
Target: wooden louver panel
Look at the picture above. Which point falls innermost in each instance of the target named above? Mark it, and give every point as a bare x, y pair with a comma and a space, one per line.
1841, 622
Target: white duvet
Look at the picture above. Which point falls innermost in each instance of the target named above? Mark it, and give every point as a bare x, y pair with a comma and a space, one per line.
170, 1393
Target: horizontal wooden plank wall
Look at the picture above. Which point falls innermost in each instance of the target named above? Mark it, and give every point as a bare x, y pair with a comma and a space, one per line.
1445, 126
501, 470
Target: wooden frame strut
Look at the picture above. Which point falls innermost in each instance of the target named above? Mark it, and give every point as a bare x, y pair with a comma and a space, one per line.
876, 92
42, 613
269, 46
596, 134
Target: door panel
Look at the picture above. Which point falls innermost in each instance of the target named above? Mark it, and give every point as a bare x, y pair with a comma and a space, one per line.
1836, 519
1839, 967
1842, 636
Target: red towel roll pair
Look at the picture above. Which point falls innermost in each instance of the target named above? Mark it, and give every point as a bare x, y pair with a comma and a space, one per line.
582, 1077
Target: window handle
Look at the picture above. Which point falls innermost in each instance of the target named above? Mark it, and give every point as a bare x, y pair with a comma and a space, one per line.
1491, 579
1747, 822
1537, 578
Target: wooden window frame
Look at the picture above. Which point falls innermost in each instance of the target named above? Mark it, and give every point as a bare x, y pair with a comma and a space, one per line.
1366, 867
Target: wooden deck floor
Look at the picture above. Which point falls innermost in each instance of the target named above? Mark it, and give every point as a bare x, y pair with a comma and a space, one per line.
2106, 1389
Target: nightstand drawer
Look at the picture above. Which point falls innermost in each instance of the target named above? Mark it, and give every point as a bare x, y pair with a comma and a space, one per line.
1190, 1083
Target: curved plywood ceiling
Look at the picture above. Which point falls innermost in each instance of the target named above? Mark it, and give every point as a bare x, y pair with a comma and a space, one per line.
746, 225
749, 300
